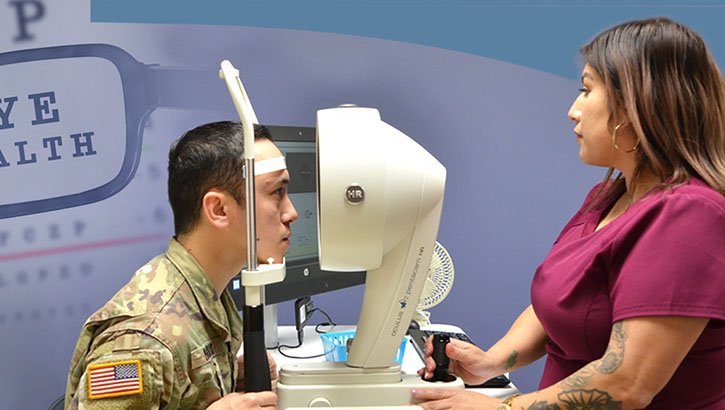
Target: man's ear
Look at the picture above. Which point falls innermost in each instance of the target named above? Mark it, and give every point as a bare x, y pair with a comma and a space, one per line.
214, 208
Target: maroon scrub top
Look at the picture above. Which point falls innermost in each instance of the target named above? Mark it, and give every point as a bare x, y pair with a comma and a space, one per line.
664, 256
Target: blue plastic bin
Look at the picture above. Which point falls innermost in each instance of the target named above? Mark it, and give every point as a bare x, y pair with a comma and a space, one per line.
335, 345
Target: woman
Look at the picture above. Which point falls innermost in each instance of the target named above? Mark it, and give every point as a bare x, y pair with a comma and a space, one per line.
629, 305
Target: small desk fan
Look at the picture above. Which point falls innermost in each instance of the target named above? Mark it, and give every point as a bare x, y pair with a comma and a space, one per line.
437, 284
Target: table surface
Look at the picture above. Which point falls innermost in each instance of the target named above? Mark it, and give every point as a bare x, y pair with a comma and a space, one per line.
312, 345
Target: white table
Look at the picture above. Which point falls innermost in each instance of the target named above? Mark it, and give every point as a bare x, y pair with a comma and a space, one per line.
312, 345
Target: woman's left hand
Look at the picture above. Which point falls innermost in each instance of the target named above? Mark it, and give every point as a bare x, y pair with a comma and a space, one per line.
453, 399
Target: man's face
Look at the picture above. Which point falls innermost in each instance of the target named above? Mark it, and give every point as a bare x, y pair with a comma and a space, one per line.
275, 211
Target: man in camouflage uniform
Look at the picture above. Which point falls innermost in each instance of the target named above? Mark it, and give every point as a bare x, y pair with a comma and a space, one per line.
167, 340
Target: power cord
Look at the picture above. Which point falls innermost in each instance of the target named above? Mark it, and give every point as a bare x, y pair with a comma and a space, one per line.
328, 323
302, 315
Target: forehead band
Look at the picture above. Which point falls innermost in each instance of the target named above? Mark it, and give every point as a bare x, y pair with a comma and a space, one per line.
266, 166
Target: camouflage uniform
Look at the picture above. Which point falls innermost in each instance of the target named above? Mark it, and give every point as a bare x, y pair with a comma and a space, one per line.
170, 320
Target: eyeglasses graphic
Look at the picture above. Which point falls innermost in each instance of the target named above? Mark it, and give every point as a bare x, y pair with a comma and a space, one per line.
72, 118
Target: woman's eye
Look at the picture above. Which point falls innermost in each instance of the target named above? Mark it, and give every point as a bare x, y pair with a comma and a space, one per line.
584, 90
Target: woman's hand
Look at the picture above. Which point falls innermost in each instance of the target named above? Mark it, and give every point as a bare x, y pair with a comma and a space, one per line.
453, 399
467, 361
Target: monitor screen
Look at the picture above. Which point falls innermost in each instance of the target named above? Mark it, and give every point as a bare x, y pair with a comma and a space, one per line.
304, 277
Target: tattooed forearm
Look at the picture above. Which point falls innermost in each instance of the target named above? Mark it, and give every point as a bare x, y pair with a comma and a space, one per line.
608, 364
511, 362
579, 379
614, 355
574, 393
589, 399
580, 399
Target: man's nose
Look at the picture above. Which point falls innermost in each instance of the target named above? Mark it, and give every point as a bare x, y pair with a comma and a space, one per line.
290, 213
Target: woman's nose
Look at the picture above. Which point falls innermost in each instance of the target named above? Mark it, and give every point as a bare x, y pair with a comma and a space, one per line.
574, 114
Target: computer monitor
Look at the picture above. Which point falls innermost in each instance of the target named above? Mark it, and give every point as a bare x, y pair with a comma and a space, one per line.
304, 276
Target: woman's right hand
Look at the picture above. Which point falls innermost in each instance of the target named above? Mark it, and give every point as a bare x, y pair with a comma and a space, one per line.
467, 361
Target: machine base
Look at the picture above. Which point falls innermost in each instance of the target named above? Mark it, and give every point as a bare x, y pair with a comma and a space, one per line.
334, 384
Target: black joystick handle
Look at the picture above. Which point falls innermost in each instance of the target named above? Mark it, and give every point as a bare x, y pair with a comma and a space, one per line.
440, 374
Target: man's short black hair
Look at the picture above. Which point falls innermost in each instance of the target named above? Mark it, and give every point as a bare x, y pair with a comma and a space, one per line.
208, 156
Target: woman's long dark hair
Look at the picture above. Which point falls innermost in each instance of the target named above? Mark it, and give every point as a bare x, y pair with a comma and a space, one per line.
662, 75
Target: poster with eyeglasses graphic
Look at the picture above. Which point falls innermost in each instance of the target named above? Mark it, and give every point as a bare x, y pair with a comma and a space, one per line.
82, 173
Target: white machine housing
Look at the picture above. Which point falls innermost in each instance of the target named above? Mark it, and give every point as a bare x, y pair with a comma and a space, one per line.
390, 232
380, 196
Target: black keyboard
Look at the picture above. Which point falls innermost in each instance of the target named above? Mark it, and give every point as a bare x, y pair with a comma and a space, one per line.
420, 336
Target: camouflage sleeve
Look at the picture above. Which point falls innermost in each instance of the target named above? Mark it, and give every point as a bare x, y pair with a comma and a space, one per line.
127, 371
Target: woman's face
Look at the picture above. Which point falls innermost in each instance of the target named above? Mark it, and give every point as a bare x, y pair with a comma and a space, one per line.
591, 114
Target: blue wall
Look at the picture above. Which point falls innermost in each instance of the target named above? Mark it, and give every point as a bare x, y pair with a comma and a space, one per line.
484, 87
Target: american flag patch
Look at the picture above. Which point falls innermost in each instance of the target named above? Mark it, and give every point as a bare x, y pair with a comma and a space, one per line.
114, 379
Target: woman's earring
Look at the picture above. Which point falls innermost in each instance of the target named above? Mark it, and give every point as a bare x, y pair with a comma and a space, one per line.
614, 141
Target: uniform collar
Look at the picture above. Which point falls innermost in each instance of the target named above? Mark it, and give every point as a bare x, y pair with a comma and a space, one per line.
216, 309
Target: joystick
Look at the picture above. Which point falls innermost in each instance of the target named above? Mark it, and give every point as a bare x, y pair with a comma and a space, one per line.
440, 374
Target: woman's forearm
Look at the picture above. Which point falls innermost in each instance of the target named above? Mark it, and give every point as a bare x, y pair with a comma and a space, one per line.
523, 344
631, 372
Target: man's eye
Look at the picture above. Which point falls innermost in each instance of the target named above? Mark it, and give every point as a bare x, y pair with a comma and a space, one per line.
279, 192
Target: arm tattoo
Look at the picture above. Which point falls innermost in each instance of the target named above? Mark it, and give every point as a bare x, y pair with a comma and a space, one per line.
511, 361
580, 399
578, 379
614, 355
608, 364
574, 396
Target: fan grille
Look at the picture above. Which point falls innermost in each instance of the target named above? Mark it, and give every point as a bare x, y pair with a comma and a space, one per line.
439, 280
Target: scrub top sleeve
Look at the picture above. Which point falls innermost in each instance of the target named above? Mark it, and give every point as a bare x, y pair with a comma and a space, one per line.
671, 260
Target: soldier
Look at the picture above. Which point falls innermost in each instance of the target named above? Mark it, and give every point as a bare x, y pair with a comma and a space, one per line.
169, 338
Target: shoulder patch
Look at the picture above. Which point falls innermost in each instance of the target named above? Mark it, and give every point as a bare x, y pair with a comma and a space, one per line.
114, 379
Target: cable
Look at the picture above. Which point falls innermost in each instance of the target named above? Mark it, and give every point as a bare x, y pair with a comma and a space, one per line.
279, 349
329, 322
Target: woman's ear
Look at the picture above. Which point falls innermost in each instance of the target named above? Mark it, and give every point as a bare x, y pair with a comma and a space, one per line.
621, 117
214, 208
